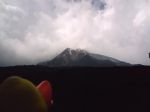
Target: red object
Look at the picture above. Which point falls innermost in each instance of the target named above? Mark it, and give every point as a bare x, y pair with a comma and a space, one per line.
45, 89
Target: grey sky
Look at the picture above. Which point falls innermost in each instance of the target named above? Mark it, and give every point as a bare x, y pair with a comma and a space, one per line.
32, 31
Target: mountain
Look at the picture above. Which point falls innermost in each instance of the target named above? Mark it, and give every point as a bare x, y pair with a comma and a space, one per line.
82, 58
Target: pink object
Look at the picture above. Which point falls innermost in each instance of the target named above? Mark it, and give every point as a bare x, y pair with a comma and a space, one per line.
45, 89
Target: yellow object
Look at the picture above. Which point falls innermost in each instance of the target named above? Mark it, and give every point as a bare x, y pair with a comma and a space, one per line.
20, 95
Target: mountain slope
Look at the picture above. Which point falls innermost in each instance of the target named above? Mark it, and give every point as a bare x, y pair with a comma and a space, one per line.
82, 58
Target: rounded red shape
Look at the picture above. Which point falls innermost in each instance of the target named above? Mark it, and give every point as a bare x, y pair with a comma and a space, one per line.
45, 89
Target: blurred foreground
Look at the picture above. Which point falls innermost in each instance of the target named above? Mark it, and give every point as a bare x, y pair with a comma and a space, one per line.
120, 89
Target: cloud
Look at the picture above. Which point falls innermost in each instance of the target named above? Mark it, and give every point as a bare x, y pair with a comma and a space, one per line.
32, 31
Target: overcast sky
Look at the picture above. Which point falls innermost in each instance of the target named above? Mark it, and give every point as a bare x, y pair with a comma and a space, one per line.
33, 31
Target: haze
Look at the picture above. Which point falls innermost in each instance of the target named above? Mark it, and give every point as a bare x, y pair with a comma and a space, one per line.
32, 31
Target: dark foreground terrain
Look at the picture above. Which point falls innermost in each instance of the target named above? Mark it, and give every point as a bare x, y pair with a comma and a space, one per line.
125, 89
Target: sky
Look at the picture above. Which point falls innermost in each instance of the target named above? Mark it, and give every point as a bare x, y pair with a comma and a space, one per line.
32, 31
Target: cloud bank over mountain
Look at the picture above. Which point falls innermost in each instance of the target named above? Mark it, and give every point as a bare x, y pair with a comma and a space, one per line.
32, 31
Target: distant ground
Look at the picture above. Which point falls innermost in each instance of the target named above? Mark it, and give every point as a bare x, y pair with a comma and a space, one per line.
118, 89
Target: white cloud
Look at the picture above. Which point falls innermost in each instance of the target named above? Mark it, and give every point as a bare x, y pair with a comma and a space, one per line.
33, 30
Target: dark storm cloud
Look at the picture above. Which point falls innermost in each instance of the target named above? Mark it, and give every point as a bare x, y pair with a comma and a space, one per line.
99, 4
32, 31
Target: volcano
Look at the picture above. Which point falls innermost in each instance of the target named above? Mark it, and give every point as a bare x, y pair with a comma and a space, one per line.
82, 58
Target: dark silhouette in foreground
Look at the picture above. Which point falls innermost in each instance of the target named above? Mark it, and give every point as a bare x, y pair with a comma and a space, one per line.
119, 89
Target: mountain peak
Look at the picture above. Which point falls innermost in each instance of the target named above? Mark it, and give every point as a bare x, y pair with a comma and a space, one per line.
80, 57
69, 51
